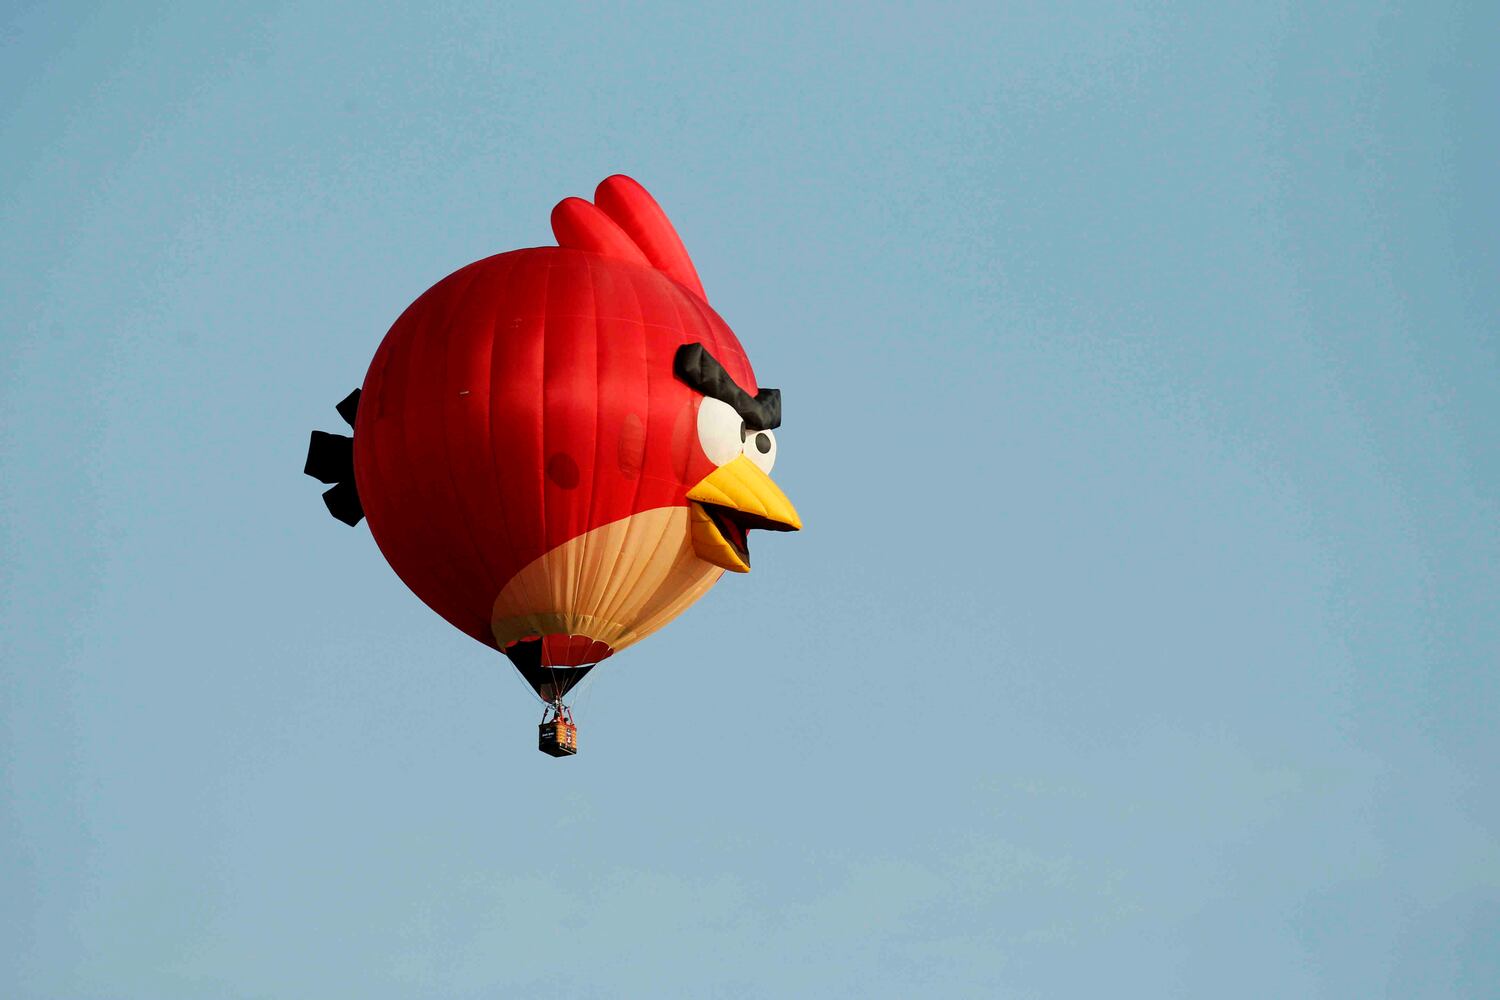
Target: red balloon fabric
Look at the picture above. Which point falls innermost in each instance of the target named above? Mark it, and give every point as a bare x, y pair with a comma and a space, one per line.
523, 448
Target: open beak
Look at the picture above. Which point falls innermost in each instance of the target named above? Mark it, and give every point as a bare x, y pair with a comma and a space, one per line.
727, 503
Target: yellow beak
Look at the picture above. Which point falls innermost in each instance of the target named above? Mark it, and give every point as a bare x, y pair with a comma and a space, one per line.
727, 503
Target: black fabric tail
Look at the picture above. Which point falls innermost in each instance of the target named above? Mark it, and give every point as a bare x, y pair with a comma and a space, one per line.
330, 459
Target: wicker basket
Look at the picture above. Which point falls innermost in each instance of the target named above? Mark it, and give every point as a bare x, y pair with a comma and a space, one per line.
557, 737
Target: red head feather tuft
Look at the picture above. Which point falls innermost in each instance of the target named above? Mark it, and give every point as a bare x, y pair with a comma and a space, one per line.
579, 225
626, 222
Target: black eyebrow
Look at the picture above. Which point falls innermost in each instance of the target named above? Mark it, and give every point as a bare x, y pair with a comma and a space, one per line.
701, 370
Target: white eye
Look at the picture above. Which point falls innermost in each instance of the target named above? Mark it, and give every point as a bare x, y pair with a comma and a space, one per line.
720, 431
760, 448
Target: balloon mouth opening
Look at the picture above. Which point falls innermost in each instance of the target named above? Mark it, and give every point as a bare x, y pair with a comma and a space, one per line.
554, 664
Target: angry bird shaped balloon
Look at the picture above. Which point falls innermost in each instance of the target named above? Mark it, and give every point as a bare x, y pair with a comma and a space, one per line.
560, 449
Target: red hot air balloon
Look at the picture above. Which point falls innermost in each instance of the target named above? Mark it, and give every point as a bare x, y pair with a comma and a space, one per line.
560, 449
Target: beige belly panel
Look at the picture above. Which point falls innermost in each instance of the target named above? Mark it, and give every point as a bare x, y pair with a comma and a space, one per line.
617, 584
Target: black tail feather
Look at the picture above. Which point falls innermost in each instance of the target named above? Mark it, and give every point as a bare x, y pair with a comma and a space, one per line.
330, 459
348, 406
343, 503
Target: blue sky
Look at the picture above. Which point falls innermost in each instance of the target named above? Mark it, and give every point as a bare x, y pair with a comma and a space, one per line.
1140, 368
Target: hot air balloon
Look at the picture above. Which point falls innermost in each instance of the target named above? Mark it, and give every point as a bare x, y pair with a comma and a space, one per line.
560, 449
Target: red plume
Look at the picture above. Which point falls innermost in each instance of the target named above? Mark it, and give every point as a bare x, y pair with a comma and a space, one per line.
625, 222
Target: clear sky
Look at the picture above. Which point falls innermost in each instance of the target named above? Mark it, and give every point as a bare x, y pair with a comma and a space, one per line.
1140, 366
